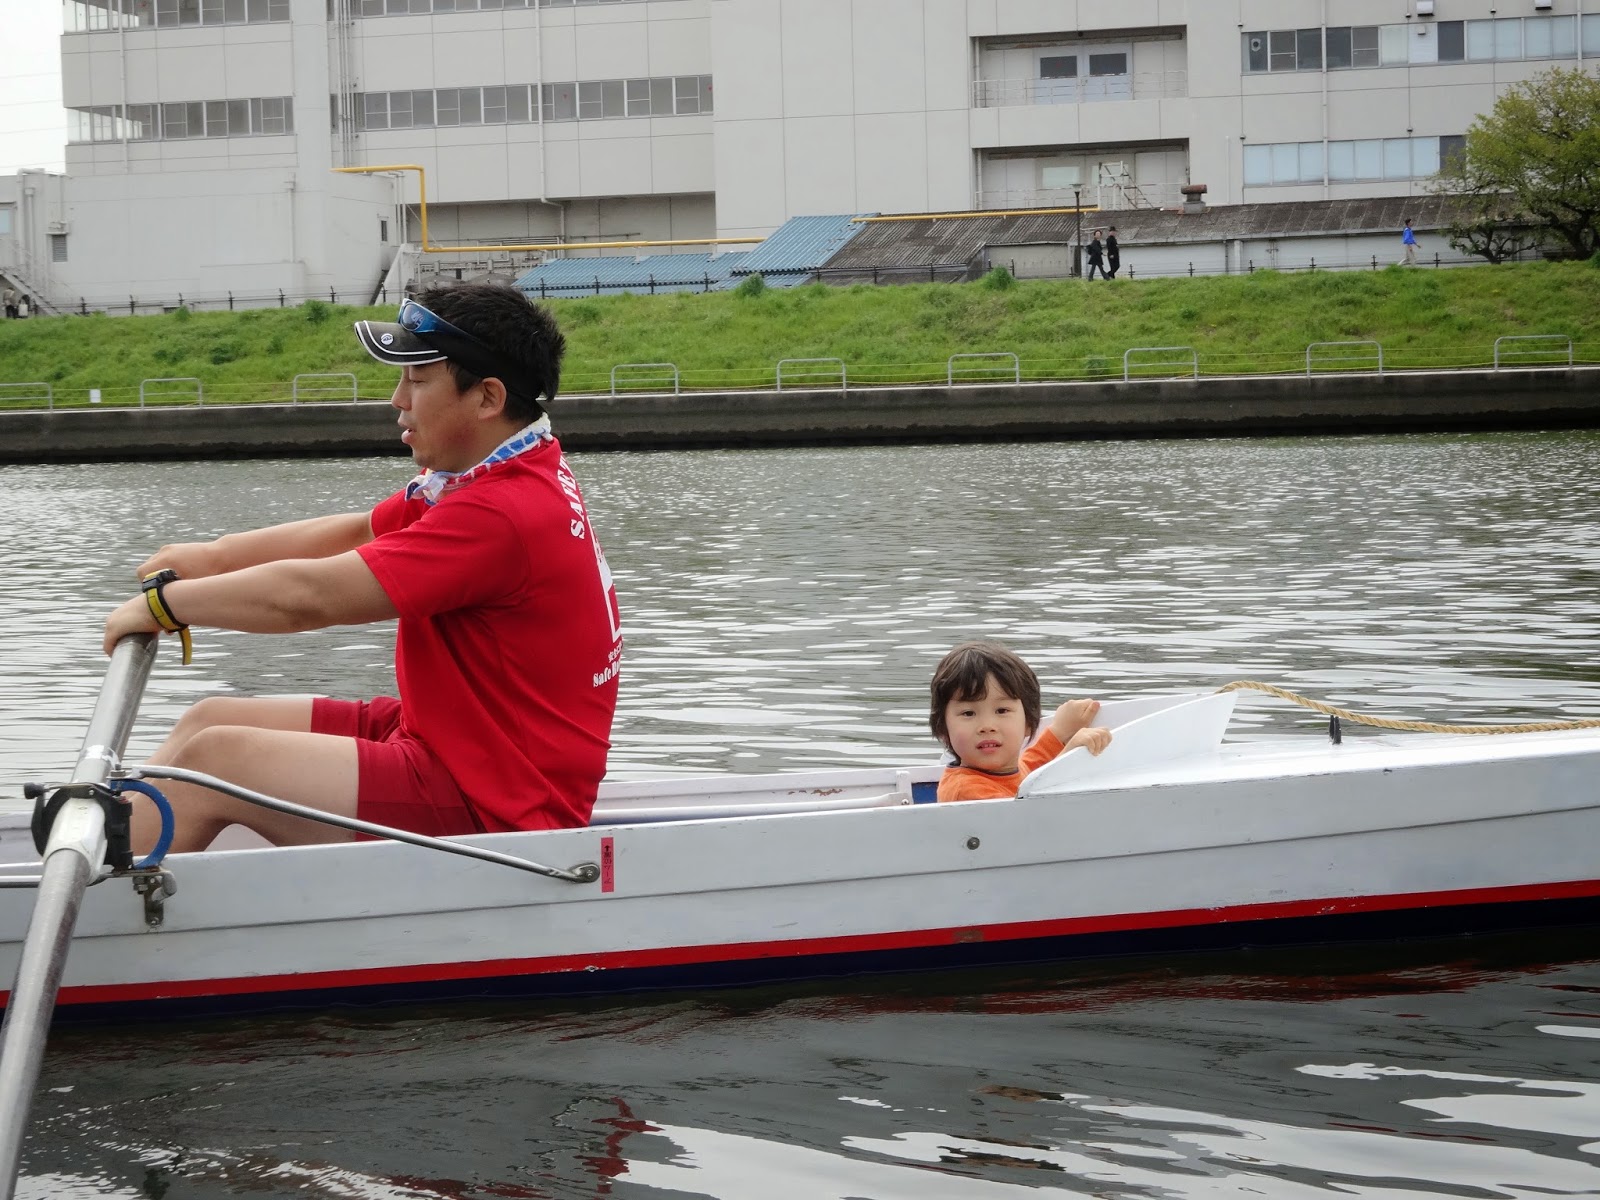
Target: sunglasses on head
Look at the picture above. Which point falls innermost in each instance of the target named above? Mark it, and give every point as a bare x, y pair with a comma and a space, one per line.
416, 319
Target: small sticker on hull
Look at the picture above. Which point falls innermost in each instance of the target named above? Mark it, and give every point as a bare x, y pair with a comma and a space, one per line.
608, 865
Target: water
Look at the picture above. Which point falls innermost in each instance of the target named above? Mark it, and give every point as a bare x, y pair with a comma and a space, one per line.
784, 609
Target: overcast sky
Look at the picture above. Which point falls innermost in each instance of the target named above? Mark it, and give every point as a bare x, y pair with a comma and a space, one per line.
33, 128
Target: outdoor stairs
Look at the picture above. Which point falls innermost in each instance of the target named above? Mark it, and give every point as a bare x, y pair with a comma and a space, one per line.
40, 304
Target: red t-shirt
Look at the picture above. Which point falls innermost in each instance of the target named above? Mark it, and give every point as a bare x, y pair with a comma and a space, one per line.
509, 639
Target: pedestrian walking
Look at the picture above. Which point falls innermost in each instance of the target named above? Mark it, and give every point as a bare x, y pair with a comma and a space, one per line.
1408, 239
10, 298
1113, 254
1096, 255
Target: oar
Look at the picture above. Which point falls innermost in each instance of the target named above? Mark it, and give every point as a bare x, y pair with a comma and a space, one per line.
72, 858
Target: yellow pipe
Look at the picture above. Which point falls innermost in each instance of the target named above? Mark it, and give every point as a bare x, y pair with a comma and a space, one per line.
993, 212
428, 248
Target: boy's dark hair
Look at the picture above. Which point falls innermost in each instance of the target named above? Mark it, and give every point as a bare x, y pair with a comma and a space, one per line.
523, 334
963, 674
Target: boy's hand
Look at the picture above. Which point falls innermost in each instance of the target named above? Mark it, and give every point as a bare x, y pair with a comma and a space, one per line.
1073, 716
1094, 740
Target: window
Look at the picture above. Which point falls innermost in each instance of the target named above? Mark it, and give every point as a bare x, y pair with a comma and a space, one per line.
1480, 41
1550, 37
6, 211
1591, 34
611, 102
1255, 52
471, 106
1060, 177
1308, 50
1058, 66
1338, 47
1397, 158
58, 247
1108, 64
1452, 41
638, 97
705, 94
517, 107
399, 110
1280, 50
383, 230
447, 106
661, 97
589, 101
1346, 162
1363, 45
1394, 44
376, 111
494, 106
686, 94
1257, 166
1341, 161
1508, 38
422, 110
1451, 145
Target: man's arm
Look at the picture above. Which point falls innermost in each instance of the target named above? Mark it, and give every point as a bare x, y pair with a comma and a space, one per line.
276, 597
319, 537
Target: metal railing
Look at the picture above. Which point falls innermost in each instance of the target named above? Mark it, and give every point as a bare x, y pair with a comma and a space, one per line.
146, 390
1108, 197
1192, 361
657, 380
1090, 89
843, 379
323, 390
49, 392
1014, 370
1566, 347
1324, 359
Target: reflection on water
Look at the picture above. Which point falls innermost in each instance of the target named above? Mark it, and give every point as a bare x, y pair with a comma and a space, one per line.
784, 608
1293, 1074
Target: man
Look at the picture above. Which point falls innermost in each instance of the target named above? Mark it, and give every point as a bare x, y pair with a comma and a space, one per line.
1113, 254
1409, 241
10, 298
1096, 256
508, 644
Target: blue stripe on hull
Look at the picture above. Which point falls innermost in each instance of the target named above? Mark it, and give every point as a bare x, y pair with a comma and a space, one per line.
1378, 927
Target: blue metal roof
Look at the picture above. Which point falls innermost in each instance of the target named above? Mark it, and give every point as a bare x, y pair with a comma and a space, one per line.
609, 275
800, 244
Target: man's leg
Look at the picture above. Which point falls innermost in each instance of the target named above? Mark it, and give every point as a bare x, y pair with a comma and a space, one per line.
264, 745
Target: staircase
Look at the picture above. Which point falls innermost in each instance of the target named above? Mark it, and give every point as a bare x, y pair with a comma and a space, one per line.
38, 303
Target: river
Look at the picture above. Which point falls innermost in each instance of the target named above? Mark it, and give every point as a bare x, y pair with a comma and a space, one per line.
783, 609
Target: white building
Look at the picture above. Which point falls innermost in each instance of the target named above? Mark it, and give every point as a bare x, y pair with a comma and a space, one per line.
205, 131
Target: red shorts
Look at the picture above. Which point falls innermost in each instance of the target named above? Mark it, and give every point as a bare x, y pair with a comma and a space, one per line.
399, 783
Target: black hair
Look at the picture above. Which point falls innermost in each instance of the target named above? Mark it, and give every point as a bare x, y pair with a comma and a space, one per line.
964, 673
521, 333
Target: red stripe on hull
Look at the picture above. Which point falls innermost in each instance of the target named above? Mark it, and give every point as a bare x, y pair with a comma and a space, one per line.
677, 956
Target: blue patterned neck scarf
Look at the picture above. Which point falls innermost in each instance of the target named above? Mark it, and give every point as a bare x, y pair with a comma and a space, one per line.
431, 485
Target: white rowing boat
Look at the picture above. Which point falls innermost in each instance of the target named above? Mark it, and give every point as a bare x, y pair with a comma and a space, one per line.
1173, 838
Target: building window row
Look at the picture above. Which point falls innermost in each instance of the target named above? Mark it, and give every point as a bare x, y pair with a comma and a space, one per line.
389, 8
85, 16
1503, 39
258, 117
1348, 162
589, 100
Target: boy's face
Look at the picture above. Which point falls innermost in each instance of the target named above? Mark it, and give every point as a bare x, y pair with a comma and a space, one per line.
989, 733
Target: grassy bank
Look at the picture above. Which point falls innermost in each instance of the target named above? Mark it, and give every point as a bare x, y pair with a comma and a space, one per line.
1059, 329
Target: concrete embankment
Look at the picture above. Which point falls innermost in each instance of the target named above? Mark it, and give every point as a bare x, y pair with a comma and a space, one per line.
1213, 407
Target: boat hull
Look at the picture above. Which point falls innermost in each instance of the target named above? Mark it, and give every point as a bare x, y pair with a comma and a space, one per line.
1251, 845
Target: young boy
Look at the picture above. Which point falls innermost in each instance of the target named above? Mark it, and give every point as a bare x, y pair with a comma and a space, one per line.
985, 707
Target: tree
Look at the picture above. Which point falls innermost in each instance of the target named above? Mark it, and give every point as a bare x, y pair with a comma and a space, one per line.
1534, 159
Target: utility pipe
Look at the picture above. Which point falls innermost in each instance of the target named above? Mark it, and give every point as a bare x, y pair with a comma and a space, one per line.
428, 248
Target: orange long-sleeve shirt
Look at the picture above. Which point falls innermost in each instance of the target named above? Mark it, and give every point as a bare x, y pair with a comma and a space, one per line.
967, 783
